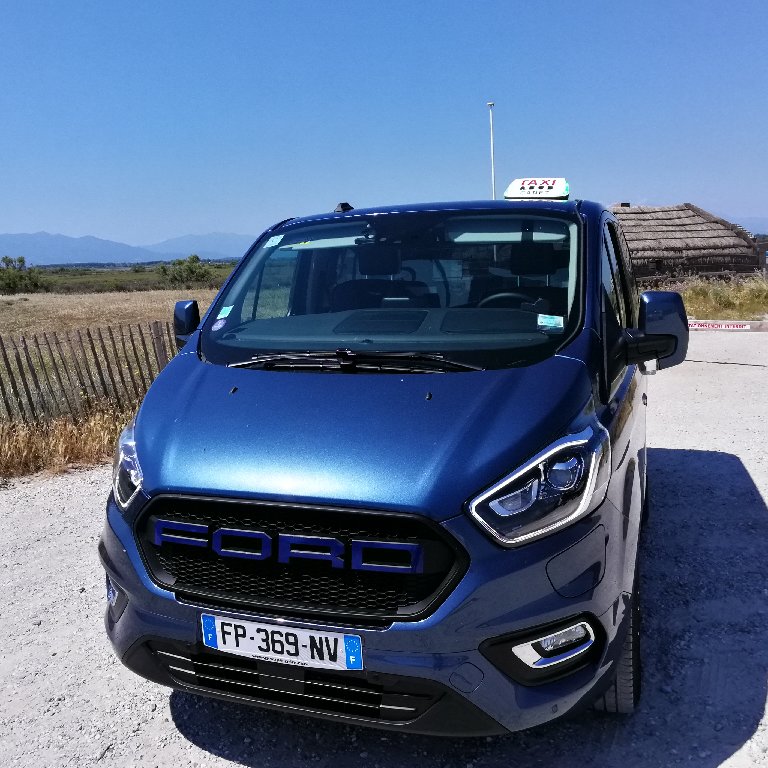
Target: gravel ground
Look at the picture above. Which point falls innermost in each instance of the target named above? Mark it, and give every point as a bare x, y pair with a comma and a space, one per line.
66, 701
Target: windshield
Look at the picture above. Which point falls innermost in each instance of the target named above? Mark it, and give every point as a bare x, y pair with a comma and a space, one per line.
491, 289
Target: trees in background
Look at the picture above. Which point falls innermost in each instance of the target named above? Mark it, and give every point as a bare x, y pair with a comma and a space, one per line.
186, 272
17, 277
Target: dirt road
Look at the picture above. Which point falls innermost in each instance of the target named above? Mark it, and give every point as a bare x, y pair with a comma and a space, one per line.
66, 701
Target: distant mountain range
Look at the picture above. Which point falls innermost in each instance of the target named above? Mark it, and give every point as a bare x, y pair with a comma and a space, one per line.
216, 245
43, 248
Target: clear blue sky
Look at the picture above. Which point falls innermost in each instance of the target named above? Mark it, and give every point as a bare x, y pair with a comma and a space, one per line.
143, 120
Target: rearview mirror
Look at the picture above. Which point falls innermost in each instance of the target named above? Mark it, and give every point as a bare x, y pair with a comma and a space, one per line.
662, 332
186, 318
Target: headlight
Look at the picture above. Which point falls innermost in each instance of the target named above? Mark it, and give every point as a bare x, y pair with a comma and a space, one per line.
558, 486
126, 472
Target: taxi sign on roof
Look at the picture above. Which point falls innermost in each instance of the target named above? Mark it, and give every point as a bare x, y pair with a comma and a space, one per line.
549, 189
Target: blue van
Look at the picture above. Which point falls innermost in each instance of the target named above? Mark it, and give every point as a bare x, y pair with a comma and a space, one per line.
396, 475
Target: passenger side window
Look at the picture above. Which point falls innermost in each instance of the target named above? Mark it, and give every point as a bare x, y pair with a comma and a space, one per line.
613, 302
623, 272
614, 313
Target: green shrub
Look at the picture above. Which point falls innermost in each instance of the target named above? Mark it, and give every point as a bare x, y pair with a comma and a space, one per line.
16, 277
186, 272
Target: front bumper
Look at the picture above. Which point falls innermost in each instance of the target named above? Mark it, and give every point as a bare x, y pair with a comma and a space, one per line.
427, 676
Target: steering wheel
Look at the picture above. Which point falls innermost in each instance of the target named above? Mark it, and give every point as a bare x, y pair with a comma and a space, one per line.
410, 271
502, 299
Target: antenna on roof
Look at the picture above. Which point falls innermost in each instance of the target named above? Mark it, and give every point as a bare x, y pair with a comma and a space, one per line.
343, 208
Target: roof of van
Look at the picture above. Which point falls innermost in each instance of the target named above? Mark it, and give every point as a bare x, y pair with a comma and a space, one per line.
555, 206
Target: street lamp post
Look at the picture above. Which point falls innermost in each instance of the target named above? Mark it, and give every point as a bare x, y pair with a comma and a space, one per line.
493, 164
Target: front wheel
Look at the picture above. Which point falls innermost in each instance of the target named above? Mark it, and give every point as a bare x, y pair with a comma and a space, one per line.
623, 696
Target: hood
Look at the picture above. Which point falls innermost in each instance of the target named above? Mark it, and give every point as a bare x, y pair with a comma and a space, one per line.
418, 442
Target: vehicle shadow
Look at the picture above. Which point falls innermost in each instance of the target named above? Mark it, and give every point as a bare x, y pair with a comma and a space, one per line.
705, 621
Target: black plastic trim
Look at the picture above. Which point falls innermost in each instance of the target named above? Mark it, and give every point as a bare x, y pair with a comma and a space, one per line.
448, 713
498, 650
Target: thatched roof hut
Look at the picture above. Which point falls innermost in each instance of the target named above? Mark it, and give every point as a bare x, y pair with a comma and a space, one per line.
684, 239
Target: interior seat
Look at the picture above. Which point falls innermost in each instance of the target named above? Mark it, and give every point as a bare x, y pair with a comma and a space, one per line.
524, 260
379, 264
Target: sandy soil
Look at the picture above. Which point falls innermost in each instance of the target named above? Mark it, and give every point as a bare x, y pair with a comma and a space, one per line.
66, 701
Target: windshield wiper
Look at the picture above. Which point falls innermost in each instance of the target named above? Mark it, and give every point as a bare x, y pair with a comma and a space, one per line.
433, 360
308, 360
348, 360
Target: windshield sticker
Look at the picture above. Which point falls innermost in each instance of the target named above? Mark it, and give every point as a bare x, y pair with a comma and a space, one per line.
550, 322
224, 312
273, 241
219, 324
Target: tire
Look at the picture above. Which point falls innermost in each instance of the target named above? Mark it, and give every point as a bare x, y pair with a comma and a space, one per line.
623, 695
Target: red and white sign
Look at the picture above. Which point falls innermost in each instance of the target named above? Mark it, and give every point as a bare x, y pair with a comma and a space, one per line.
717, 325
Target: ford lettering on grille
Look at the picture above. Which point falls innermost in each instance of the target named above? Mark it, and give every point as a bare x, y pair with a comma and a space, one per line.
287, 548
298, 560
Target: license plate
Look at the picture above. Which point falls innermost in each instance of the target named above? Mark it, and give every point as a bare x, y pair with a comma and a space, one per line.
288, 645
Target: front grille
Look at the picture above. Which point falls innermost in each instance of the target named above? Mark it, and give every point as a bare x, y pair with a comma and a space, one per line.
300, 587
384, 698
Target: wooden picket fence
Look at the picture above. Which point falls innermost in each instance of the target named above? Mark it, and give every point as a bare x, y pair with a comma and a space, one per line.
70, 373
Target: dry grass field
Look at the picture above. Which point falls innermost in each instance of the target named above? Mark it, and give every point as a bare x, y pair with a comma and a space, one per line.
743, 299
740, 299
35, 312
64, 442
59, 444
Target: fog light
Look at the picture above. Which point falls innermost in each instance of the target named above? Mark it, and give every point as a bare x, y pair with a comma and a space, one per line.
560, 646
117, 600
112, 592
550, 653
551, 645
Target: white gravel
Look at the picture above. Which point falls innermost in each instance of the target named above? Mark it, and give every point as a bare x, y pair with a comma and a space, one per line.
66, 701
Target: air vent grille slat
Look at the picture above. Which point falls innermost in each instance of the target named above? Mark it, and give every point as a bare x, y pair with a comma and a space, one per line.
311, 689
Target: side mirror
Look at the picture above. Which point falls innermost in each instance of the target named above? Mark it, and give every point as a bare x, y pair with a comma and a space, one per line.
186, 318
662, 332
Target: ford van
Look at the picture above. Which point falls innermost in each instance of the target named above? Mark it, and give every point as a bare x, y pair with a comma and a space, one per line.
396, 475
